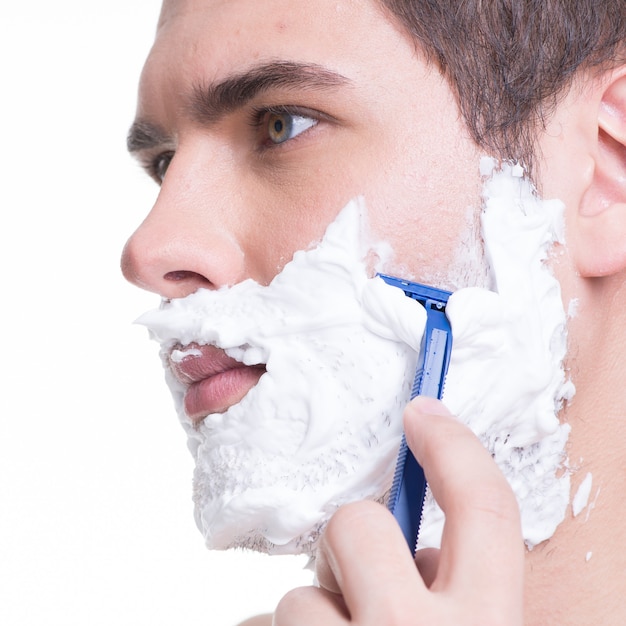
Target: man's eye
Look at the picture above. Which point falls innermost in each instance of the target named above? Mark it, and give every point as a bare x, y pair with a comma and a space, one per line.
282, 127
159, 165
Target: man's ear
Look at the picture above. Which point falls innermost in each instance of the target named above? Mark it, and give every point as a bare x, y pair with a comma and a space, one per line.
602, 213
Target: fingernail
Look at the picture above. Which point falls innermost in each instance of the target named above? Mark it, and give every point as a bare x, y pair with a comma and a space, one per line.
430, 406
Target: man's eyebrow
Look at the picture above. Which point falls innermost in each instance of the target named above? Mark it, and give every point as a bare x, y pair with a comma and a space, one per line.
211, 102
144, 136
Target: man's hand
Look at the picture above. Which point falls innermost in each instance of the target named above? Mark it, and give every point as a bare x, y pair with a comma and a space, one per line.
364, 567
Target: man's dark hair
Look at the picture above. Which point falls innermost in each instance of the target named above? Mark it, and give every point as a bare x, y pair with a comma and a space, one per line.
508, 61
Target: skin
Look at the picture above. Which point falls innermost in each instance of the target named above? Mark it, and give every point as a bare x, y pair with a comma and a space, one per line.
233, 205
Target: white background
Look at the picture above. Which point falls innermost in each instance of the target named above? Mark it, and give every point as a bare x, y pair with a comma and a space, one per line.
96, 522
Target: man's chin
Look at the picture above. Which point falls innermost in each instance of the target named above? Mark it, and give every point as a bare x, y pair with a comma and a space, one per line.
280, 506
256, 538
255, 541
220, 535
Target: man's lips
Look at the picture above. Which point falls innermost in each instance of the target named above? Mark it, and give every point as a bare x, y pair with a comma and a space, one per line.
214, 380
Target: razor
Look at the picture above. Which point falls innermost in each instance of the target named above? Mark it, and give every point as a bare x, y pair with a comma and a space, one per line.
408, 490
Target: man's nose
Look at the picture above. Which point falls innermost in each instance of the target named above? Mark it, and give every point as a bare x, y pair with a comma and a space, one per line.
189, 239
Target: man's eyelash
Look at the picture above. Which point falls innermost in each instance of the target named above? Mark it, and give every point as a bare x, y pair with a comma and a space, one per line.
153, 165
259, 114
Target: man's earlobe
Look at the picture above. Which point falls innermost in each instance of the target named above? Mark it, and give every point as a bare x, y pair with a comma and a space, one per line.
602, 214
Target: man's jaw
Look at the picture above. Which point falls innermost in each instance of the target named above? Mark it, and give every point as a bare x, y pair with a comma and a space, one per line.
214, 381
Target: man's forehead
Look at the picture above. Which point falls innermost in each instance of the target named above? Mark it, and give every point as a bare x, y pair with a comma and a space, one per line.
171, 9
216, 35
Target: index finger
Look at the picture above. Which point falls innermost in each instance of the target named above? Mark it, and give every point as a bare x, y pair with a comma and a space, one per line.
482, 548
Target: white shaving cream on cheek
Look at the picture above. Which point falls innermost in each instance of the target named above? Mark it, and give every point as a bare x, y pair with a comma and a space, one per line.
323, 424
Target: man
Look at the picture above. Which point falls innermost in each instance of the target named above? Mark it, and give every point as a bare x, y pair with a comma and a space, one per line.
260, 121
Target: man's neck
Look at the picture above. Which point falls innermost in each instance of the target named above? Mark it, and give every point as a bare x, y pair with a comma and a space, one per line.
579, 575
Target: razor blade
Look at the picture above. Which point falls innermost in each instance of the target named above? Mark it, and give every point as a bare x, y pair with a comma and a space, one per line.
408, 489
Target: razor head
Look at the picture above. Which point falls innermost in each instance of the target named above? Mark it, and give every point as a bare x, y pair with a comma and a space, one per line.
408, 490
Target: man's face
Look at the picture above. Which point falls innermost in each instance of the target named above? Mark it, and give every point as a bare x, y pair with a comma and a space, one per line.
269, 117
261, 121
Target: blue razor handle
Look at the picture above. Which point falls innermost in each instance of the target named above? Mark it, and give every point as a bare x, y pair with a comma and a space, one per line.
408, 489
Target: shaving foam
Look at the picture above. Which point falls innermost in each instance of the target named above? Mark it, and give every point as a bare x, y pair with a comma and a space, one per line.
581, 498
323, 425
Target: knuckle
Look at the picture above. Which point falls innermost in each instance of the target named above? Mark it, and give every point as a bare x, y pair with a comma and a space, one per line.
498, 503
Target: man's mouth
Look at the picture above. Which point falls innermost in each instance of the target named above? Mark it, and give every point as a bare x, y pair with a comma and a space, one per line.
214, 381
